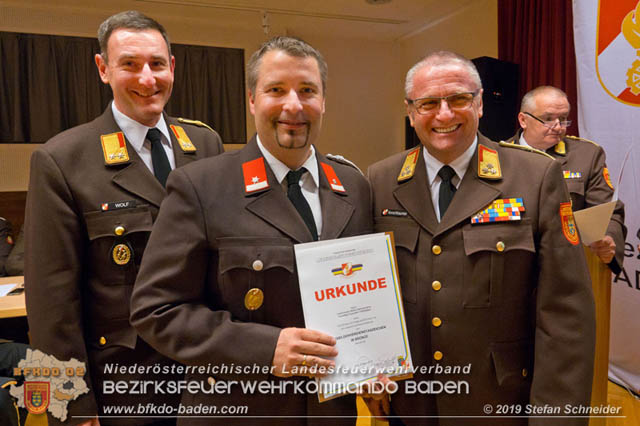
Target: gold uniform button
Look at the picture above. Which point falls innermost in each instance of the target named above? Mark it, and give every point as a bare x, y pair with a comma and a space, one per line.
257, 265
437, 322
119, 230
500, 246
436, 250
211, 381
436, 285
437, 355
253, 299
103, 341
525, 372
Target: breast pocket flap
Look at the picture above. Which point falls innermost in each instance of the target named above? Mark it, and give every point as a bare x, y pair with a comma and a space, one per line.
256, 254
498, 237
104, 224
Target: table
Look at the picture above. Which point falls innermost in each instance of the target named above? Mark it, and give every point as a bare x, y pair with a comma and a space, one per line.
12, 306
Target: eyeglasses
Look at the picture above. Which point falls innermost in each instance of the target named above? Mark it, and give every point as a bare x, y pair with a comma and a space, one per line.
551, 123
457, 101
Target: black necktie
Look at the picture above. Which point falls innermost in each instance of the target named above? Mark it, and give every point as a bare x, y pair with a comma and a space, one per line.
161, 166
299, 202
447, 189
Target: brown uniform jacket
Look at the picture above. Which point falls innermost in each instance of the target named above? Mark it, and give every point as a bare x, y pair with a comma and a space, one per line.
77, 297
213, 243
512, 299
590, 188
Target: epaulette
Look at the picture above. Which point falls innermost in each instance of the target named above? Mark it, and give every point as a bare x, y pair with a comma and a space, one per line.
525, 148
340, 159
195, 122
575, 138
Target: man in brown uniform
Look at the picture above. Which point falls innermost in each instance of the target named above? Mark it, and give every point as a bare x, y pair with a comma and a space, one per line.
231, 296
92, 200
543, 118
492, 273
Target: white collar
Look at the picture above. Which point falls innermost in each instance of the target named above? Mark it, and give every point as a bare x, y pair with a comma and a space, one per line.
523, 141
135, 132
280, 169
459, 165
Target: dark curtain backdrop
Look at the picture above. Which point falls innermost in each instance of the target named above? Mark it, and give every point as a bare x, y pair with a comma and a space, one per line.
50, 83
538, 36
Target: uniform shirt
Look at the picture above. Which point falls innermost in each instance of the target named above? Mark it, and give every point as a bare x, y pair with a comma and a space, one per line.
136, 134
459, 165
523, 141
309, 182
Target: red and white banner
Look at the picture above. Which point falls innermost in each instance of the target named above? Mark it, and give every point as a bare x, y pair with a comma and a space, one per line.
607, 42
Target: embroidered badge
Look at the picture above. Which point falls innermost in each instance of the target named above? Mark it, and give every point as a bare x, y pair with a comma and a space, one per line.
571, 175
183, 140
560, 148
569, 228
607, 177
488, 163
409, 166
114, 148
255, 176
334, 182
500, 211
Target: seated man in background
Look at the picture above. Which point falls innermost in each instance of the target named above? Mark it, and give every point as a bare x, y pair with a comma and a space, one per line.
543, 116
11, 353
6, 244
15, 261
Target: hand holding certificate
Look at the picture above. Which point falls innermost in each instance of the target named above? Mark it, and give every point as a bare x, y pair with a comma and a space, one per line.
350, 290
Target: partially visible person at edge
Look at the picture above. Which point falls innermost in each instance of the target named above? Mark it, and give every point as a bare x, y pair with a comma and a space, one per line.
94, 193
493, 274
543, 116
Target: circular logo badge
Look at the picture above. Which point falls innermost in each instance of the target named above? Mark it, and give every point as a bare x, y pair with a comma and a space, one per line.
121, 254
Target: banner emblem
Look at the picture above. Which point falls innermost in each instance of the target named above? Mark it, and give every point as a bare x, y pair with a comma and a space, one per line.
618, 49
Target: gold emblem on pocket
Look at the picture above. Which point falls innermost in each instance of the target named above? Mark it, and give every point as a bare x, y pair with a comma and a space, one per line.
121, 254
253, 299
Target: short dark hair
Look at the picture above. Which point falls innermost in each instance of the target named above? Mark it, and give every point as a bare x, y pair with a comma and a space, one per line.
442, 58
291, 46
132, 20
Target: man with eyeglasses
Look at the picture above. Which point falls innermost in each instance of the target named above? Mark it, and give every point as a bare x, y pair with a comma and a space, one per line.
543, 118
496, 293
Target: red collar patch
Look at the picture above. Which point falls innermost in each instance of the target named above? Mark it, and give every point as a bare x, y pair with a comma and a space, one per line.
255, 176
334, 182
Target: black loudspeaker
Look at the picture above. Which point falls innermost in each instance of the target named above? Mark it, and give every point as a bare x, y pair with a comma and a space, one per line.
500, 98
410, 137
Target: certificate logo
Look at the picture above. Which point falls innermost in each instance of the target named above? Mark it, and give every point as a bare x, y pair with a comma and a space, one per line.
36, 396
347, 269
